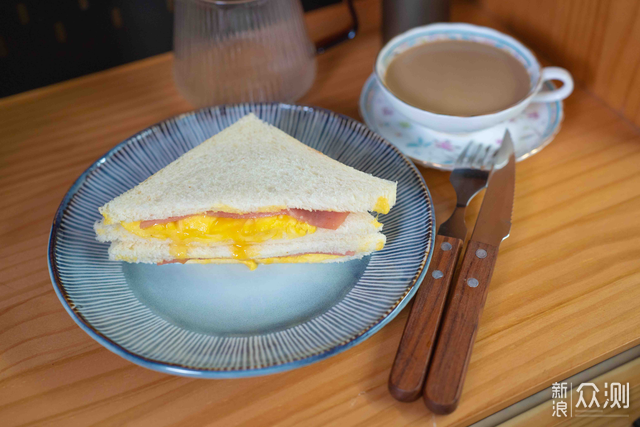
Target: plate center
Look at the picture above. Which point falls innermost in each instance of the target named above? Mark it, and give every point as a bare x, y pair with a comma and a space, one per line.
232, 300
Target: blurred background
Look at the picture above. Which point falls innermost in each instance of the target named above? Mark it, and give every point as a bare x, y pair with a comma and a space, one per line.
44, 42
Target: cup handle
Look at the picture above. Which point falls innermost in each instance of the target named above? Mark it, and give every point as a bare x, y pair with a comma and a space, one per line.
555, 73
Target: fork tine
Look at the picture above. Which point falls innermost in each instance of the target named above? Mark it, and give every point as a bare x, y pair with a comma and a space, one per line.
490, 158
485, 164
460, 160
476, 156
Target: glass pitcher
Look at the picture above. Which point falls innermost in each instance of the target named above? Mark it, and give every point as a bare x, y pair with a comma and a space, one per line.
245, 50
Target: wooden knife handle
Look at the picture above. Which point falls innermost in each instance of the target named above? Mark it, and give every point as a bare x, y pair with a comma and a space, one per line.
444, 383
410, 366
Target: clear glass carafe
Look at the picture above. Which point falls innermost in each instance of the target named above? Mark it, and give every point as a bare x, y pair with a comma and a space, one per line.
242, 51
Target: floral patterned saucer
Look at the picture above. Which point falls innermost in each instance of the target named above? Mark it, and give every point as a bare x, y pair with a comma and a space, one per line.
531, 131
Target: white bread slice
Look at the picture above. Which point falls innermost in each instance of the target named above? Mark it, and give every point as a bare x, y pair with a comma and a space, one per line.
354, 226
251, 166
155, 252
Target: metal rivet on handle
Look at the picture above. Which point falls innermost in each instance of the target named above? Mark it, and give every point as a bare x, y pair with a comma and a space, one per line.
472, 282
437, 274
446, 246
481, 253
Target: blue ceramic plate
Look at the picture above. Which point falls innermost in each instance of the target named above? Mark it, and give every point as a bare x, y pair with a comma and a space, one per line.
222, 321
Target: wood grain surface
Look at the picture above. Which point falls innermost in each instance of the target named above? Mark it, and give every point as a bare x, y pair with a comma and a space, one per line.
564, 294
597, 40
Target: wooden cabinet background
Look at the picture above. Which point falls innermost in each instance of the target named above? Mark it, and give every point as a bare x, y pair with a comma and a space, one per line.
597, 40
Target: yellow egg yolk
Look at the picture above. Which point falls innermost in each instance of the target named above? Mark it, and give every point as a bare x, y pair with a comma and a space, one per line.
241, 233
382, 205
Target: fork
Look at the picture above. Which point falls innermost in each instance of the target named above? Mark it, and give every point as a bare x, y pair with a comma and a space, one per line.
409, 369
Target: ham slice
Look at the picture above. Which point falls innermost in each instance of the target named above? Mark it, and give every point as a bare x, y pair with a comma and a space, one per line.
321, 219
183, 261
245, 216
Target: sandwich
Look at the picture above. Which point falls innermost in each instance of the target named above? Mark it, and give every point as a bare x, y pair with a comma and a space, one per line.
250, 194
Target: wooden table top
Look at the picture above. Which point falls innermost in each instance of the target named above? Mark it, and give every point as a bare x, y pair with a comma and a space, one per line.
564, 295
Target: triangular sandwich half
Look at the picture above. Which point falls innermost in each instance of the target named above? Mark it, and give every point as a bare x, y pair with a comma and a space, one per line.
250, 194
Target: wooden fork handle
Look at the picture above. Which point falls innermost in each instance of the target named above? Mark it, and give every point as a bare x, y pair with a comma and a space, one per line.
448, 368
410, 366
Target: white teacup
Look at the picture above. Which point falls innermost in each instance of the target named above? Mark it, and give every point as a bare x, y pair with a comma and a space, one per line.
458, 124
